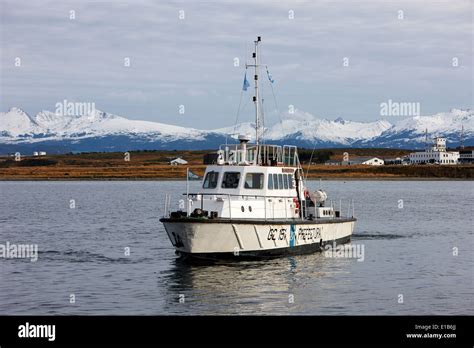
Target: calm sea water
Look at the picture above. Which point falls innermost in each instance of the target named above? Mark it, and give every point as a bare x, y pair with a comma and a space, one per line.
408, 251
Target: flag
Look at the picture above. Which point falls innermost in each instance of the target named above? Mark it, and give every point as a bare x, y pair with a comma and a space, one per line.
246, 83
270, 77
192, 176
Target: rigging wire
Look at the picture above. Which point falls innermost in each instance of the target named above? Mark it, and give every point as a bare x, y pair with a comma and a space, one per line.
236, 116
309, 163
277, 109
240, 101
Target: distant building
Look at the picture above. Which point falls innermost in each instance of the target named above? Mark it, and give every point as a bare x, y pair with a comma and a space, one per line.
35, 153
369, 161
42, 153
436, 153
178, 161
393, 161
466, 156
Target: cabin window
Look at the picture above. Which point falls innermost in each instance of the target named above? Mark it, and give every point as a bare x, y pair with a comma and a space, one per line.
291, 183
253, 181
231, 180
270, 182
210, 181
275, 181
280, 181
285, 181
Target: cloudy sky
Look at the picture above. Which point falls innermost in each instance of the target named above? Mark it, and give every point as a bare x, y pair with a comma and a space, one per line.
403, 51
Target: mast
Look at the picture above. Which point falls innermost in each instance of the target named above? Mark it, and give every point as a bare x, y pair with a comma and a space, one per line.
256, 98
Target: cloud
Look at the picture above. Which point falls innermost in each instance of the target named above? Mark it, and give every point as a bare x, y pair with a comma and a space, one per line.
190, 61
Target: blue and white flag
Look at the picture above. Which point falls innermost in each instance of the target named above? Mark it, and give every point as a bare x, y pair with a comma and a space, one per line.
246, 83
270, 77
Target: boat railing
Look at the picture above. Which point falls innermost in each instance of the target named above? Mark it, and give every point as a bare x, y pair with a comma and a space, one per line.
269, 155
268, 213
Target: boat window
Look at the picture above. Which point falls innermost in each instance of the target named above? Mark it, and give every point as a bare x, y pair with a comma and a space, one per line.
280, 181
231, 180
291, 182
270, 182
210, 181
285, 181
275, 181
253, 181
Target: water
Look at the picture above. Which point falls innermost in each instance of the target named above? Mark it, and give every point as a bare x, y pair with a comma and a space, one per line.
408, 251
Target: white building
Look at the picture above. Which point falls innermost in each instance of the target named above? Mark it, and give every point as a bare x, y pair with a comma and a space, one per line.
466, 156
178, 161
42, 153
435, 153
369, 161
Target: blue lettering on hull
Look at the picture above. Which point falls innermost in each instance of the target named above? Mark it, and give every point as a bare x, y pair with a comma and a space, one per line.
292, 236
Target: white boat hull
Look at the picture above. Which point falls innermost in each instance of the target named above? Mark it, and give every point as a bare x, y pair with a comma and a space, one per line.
237, 238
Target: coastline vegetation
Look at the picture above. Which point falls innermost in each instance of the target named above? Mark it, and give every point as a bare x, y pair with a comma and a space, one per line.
154, 165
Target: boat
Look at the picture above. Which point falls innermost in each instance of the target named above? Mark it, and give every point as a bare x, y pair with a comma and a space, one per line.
254, 203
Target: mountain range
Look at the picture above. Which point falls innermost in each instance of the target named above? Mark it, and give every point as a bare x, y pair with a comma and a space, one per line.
101, 131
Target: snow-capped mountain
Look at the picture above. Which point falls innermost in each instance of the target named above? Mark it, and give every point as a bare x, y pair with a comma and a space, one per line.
16, 122
306, 128
101, 131
98, 123
412, 130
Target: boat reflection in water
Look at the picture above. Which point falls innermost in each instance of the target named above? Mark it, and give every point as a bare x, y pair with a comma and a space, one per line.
276, 286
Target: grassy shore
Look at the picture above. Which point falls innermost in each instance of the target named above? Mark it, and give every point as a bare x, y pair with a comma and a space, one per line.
154, 165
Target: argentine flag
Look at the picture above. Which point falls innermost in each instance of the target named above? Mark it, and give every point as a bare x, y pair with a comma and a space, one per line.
246, 83
270, 77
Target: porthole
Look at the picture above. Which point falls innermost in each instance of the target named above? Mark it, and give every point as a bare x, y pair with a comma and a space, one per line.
242, 208
250, 208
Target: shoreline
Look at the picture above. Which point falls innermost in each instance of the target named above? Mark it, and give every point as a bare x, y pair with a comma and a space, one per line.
155, 166
327, 178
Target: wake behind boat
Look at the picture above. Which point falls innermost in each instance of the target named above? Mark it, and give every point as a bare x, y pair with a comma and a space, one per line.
254, 203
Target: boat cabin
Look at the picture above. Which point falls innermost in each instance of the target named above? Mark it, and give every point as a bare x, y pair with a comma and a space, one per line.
254, 182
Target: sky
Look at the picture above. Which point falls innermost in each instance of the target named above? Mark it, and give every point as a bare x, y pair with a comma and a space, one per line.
329, 59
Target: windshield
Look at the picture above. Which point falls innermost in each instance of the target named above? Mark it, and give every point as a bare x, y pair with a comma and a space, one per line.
231, 180
210, 181
253, 181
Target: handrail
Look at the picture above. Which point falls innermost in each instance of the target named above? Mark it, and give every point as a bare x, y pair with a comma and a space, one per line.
304, 204
232, 195
286, 155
